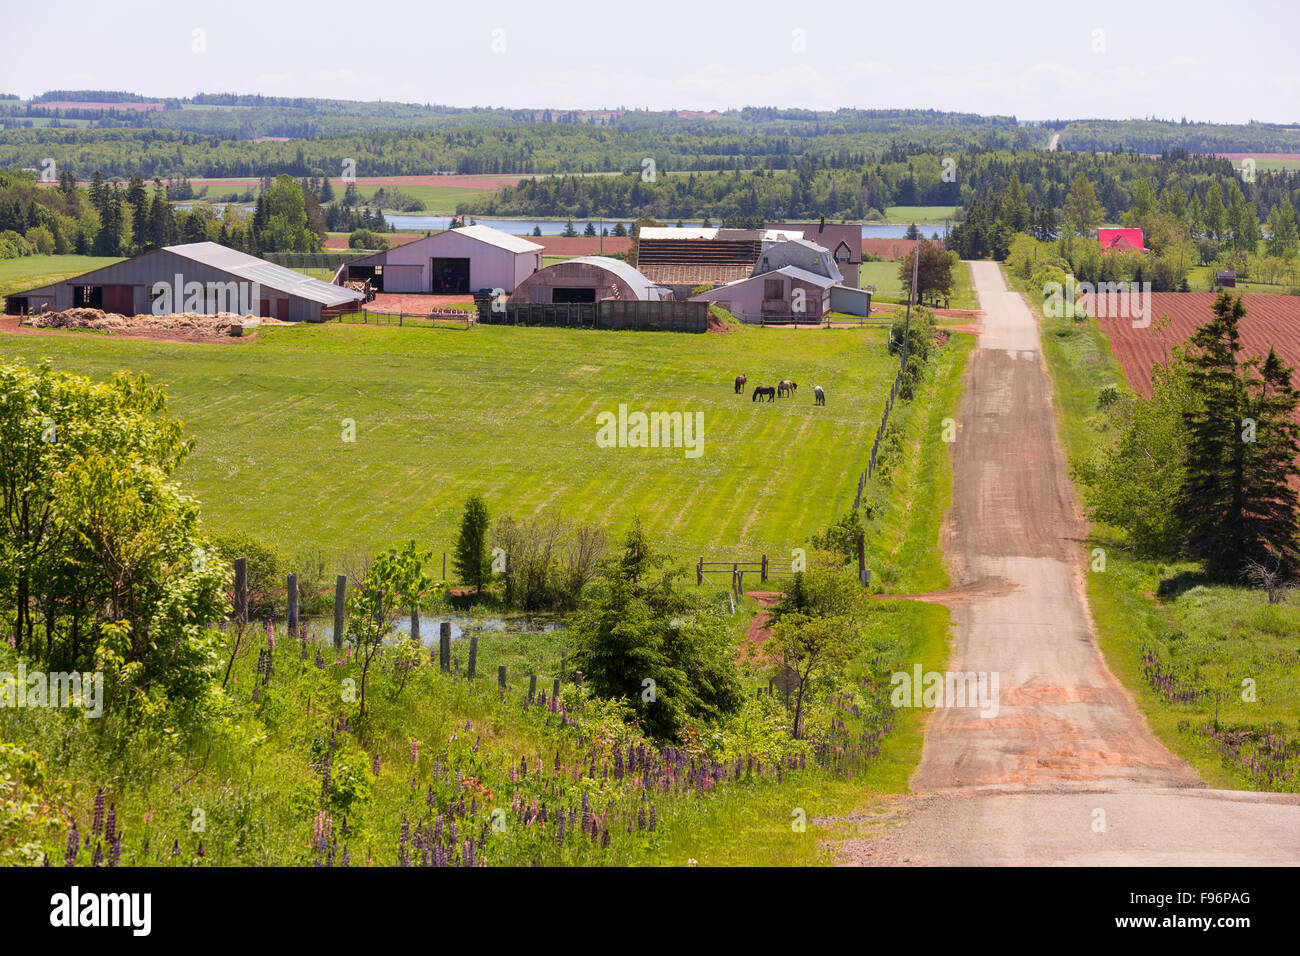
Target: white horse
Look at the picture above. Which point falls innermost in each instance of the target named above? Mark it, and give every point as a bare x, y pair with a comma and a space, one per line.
819, 395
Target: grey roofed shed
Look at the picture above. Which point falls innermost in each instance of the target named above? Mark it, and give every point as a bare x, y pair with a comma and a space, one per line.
127, 287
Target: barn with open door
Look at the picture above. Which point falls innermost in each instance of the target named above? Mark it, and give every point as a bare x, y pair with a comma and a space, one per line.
456, 262
201, 277
587, 279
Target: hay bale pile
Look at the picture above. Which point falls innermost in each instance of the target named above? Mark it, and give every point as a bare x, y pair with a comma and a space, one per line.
186, 323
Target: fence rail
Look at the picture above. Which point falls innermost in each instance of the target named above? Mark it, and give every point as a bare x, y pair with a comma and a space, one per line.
436, 319
737, 570
616, 314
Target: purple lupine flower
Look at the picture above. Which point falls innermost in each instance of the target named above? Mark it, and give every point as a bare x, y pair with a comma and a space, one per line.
415, 750
74, 844
255, 693
97, 824
115, 851
200, 850
176, 848
653, 821
320, 661
110, 825
376, 765
98, 858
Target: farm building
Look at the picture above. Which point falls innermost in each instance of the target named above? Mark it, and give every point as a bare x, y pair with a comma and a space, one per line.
458, 260
787, 294
682, 259
801, 253
844, 240
586, 279
201, 277
1120, 240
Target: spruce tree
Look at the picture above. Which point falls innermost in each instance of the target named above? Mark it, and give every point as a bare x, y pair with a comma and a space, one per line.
1236, 503
471, 559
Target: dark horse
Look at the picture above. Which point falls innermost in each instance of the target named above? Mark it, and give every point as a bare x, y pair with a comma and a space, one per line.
740, 383
761, 391
785, 387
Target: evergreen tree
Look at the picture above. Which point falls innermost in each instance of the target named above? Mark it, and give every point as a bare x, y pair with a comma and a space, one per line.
1236, 504
472, 563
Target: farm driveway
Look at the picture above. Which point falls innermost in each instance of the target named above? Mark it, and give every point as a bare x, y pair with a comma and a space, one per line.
1025, 786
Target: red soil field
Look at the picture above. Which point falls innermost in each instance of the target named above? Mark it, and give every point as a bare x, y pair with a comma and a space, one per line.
1270, 320
888, 248
581, 245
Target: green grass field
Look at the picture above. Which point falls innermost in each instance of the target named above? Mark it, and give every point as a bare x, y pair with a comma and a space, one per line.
884, 275
510, 413
18, 275
921, 215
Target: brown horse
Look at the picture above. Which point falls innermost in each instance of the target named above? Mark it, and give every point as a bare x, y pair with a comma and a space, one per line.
740, 383
763, 391
786, 387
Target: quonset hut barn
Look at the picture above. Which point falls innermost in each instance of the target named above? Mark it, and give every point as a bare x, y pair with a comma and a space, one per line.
201, 277
587, 279
460, 260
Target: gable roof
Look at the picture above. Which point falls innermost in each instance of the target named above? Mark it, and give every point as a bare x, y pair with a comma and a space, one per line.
829, 235
792, 272
495, 237
266, 274
1123, 240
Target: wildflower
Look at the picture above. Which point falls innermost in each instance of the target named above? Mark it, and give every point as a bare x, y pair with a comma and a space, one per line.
176, 848
74, 844
98, 858
375, 766
415, 750
97, 824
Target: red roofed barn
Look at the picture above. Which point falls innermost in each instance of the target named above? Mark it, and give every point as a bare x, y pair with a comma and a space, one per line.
1120, 240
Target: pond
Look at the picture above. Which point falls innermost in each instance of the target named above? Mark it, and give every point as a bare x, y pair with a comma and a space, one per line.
462, 625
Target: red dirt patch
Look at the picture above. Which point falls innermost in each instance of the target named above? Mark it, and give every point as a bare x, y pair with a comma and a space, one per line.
413, 303
758, 632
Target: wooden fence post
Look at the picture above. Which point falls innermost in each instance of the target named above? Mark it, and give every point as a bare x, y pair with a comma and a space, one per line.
415, 624
862, 559
340, 593
241, 590
532, 686
292, 584
577, 678
444, 565
501, 676
763, 576
699, 572
473, 655
555, 689
444, 645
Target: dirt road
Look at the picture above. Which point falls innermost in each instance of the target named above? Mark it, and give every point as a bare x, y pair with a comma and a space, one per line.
1065, 770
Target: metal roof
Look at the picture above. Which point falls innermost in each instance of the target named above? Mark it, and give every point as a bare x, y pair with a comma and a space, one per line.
702, 232
496, 237
643, 287
266, 274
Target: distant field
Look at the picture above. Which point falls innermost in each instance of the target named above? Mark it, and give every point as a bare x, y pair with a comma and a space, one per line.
921, 215
510, 413
1270, 161
29, 272
889, 288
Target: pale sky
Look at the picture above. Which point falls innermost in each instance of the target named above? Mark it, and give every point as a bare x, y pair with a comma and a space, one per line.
1216, 61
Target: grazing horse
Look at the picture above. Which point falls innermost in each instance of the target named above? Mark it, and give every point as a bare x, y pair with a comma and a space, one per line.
786, 387
761, 391
819, 395
740, 383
